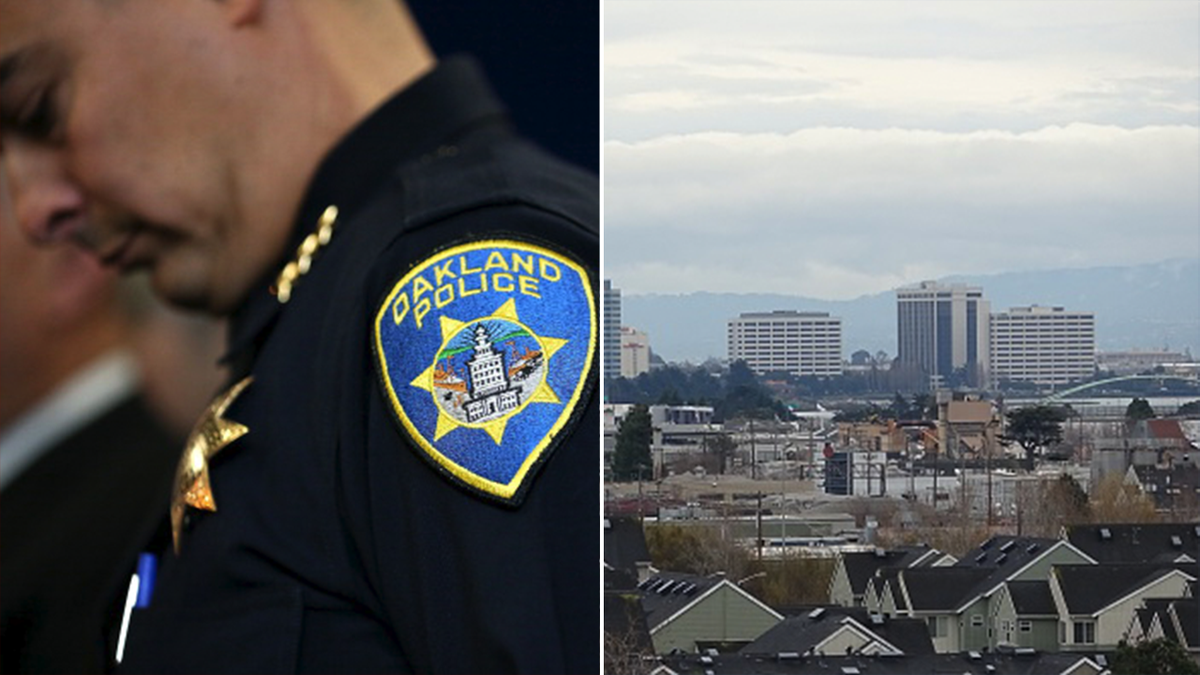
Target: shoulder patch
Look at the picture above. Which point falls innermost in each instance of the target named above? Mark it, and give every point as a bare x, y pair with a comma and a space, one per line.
483, 351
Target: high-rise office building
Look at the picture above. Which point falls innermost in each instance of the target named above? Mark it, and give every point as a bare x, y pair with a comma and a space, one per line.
612, 331
943, 330
800, 343
1046, 345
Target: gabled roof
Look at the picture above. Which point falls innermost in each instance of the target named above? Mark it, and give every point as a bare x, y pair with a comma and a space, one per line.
861, 565
1164, 429
1087, 589
1032, 598
1177, 619
1135, 543
884, 584
668, 594
625, 543
1006, 557
1006, 554
940, 588
805, 632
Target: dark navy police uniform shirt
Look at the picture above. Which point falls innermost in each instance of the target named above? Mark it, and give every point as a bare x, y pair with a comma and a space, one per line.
340, 544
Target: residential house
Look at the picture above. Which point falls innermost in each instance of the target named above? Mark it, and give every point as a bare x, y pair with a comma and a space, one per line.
1023, 615
1174, 488
958, 605
848, 585
1173, 619
883, 594
692, 613
1097, 604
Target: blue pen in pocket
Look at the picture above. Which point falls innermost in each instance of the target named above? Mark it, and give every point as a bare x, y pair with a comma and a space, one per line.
147, 569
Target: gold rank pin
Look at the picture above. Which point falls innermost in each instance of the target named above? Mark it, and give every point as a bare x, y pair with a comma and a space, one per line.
302, 261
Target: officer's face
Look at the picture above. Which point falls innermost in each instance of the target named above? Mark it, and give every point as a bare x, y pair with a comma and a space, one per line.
114, 138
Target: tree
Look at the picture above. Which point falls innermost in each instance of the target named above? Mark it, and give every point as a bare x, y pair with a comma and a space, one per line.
722, 447
1034, 427
1115, 502
790, 581
631, 457
1139, 409
695, 549
1046, 505
1153, 656
1189, 409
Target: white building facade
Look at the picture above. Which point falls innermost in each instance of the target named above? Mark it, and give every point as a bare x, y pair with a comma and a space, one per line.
800, 343
1045, 345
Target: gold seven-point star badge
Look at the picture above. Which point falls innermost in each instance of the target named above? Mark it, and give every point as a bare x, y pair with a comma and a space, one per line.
211, 433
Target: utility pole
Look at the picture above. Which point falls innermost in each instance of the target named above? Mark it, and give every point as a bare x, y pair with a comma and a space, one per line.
753, 452
758, 519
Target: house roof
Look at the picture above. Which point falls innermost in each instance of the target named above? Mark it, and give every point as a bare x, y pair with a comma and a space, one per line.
1032, 598
666, 593
1177, 616
1006, 554
941, 588
1164, 429
861, 565
805, 631
1087, 589
625, 543
886, 578
1135, 543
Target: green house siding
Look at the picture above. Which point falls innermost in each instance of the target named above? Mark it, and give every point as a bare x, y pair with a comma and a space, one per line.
1040, 570
973, 626
1043, 636
723, 616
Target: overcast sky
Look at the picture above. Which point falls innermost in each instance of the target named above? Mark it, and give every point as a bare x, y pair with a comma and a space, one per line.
833, 149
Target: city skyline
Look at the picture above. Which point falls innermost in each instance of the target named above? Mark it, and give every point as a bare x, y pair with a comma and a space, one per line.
837, 150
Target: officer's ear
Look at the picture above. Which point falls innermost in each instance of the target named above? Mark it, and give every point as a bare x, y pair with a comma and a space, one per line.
243, 12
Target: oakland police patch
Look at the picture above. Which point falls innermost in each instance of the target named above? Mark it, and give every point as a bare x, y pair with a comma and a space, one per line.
484, 351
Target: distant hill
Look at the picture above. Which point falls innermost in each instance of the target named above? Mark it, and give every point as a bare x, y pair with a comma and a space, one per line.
1138, 307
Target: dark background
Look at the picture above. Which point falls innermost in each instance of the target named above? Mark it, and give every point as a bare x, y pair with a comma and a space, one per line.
543, 58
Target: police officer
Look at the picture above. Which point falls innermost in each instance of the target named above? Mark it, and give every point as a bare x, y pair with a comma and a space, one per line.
401, 475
